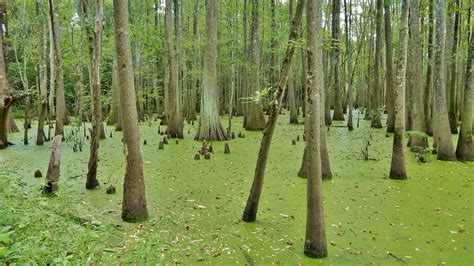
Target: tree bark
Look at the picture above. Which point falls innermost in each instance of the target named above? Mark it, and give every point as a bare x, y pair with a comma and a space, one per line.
315, 245
376, 120
414, 77
210, 127
336, 61
442, 131
397, 168
96, 98
465, 146
452, 109
255, 119
250, 211
52, 177
390, 75
174, 116
134, 207
427, 95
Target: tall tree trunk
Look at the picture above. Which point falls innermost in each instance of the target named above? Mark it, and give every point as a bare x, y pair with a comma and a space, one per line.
427, 95
376, 120
390, 75
336, 61
134, 207
5, 101
465, 147
368, 92
348, 25
59, 81
174, 117
42, 71
415, 76
96, 99
442, 131
250, 211
397, 168
452, 109
315, 245
210, 127
255, 119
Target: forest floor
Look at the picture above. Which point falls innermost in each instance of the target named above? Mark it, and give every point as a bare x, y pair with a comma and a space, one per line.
195, 206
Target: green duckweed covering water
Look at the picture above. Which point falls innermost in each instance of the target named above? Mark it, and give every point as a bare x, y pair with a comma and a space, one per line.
195, 206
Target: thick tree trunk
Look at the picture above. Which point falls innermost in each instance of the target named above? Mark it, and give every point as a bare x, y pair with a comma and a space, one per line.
210, 127
250, 212
415, 77
134, 207
96, 99
315, 245
397, 169
442, 131
255, 119
465, 147
174, 116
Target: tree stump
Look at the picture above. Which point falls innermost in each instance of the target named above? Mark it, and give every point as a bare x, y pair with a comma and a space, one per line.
226, 148
161, 145
297, 137
207, 156
144, 142
197, 156
211, 149
293, 142
110, 190
52, 176
233, 135
38, 173
177, 142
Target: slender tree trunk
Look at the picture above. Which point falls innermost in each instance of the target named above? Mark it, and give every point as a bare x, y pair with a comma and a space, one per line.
42, 72
397, 169
427, 96
348, 25
390, 75
210, 127
250, 211
134, 207
5, 101
452, 109
96, 99
336, 61
376, 120
465, 147
442, 131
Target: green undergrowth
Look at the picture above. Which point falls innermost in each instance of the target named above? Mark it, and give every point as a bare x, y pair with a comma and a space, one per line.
195, 206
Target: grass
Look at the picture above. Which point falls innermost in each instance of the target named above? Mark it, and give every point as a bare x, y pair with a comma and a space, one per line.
195, 206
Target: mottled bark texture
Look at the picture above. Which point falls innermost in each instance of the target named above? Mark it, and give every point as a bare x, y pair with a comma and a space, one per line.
134, 207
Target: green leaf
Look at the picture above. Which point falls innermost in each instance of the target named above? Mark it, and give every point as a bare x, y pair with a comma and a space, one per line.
4, 238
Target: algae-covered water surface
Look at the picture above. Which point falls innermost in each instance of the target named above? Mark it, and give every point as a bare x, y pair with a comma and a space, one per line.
195, 206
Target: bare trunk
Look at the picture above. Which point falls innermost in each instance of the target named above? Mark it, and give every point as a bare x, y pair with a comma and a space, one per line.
96, 99
250, 211
397, 169
315, 245
427, 95
255, 119
442, 131
134, 207
336, 61
210, 127
390, 75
